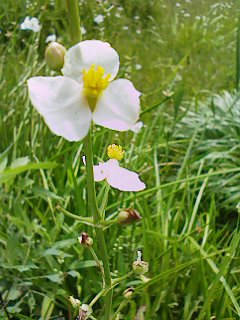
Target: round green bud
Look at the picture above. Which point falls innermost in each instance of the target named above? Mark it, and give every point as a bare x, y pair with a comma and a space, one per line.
140, 267
54, 56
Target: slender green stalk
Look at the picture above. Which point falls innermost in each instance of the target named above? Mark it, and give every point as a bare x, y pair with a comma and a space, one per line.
75, 33
74, 21
92, 202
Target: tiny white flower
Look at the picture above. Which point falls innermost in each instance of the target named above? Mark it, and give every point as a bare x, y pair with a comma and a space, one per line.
178, 4
83, 30
99, 18
187, 15
138, 31
118, 177
51, 38
86, 93
125, 27
138, 66
137, 127
31, 24
117, 15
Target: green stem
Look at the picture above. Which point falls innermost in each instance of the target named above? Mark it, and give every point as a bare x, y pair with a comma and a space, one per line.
74, 21
75, 33
92, 202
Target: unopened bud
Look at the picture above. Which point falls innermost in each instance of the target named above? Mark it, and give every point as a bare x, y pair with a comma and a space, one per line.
85, 240
84, 312
128, 216
74, 302
139, 266
54, 56
128, 293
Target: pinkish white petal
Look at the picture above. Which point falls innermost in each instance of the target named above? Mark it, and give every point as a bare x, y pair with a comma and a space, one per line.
61, 102
118, 107
87, 53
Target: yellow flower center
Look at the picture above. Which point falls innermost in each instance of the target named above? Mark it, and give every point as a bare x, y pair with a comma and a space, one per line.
94, 80
115, 152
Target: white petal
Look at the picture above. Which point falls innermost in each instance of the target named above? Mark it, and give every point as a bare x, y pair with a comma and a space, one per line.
120, 178
62, 104
118, 107
85, 53
98, 173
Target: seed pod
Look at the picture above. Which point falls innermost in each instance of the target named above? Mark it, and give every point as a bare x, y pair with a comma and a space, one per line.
128, 216
54, 56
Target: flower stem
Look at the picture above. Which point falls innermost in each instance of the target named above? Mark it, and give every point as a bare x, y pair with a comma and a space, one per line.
75, 33
92, 201
74, 21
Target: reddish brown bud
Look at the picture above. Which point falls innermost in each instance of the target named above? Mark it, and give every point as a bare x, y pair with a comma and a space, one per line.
85, 240
128, 216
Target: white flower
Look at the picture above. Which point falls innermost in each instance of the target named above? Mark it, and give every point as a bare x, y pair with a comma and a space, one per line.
99, 18
51, 38
86, 92
31, 24
118, 177
137, 127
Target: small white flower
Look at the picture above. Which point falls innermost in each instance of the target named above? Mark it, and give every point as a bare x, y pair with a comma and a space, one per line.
31, 24
99, 18
117, 15
86, 92
187, 15
51, 38
137, 127
83, 30
118, 177
125, 27
138, 66
178, 4
138, 31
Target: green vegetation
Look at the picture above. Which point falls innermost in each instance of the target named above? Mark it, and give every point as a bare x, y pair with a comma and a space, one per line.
187, 154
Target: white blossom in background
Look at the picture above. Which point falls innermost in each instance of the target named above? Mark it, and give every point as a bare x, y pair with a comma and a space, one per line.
31, 24
99, 18
51, 38
138, 31
137, 127
125, 27
86, 92
138, 66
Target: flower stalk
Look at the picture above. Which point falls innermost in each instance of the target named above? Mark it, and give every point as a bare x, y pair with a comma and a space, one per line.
75, 33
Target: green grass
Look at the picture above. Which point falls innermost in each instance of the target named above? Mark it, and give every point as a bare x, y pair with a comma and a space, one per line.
187, 153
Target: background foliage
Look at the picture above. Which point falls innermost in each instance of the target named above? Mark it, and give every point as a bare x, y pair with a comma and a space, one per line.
187, 153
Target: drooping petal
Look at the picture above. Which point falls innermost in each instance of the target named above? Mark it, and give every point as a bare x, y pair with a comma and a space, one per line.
118, 107
87, 53
61, 102
98, 173
121, 178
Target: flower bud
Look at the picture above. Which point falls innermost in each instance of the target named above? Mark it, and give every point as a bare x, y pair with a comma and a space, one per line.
84, 312
139, 266
85, 240
128, 293
74, 302
54, 56
128, 216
